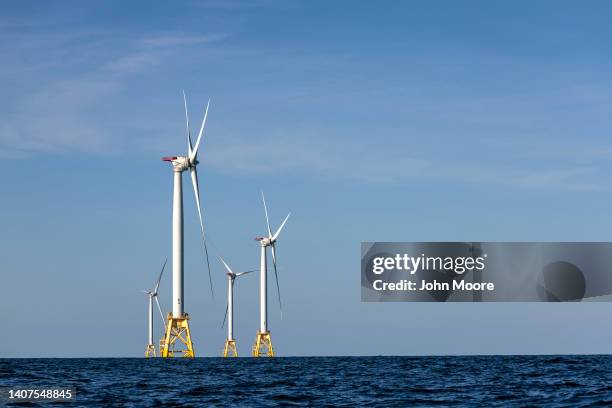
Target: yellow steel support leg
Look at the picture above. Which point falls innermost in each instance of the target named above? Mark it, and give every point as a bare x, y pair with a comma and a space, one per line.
150, 351
177, 336
263, 345
230, 349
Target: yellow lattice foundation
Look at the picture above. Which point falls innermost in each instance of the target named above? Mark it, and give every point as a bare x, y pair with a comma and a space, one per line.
150, 351
263, 345
230, 349
177, 336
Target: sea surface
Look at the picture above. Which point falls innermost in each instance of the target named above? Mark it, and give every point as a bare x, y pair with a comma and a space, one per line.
487, 381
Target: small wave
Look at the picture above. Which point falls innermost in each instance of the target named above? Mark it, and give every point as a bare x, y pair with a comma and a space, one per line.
291, 397
197, 392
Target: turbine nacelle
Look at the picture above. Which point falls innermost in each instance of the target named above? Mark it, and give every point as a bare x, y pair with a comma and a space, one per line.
264, 241
151, 292
230, 273
182, 163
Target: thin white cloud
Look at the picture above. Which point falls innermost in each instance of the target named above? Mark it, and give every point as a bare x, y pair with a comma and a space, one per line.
575, 178
242, 5
174, 40
59, 119
60, 116
362, 163
134, 62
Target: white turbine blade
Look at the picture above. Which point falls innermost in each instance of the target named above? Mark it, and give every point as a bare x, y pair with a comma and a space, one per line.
280, 304
280, 228
160, 276
188, 129
225, 316
196, 190
146, 292
266, 210
244, 273
161, 314
212, 292
273, 255
194, 152
226, 265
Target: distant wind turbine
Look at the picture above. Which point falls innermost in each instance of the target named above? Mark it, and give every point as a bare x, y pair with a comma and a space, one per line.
150, 350
263, 342
229, 350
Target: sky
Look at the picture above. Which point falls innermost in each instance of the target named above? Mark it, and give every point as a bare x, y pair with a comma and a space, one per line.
394, 121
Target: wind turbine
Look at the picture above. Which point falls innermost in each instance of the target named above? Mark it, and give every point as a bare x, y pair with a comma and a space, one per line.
177, 329
150, 351
229, 350
263, 342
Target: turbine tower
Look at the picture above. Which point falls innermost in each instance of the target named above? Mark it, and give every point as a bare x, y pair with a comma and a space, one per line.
263, 342
229, 350
150, 350
177, 328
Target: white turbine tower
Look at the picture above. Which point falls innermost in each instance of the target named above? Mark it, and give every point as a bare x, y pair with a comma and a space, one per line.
177, 329
150, 350
229, 350
263, 342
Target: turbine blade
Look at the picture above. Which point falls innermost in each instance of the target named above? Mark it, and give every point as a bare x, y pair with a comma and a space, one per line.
280, 228
244, 273
146, 292
212, 292
273, 255
266, 210
280, 304
196, 190
194, 152
225, 316
161, 314
226, 265
189, 146
160, 276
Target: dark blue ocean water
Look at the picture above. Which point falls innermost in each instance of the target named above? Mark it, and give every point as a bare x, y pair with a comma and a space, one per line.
552, 381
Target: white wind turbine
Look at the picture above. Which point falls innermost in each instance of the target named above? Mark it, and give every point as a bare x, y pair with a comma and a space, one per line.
263, 343
150, 351
178, 320
230, 343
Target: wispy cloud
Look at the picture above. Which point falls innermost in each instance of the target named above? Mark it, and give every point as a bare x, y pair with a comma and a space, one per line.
59, 119
173, 40
62, 114
134, 62
234, 5
151, 51
359, 162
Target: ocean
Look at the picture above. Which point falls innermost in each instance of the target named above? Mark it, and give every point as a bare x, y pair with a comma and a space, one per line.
486, 381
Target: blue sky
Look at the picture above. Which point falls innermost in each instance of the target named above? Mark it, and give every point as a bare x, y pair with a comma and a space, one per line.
426, 121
